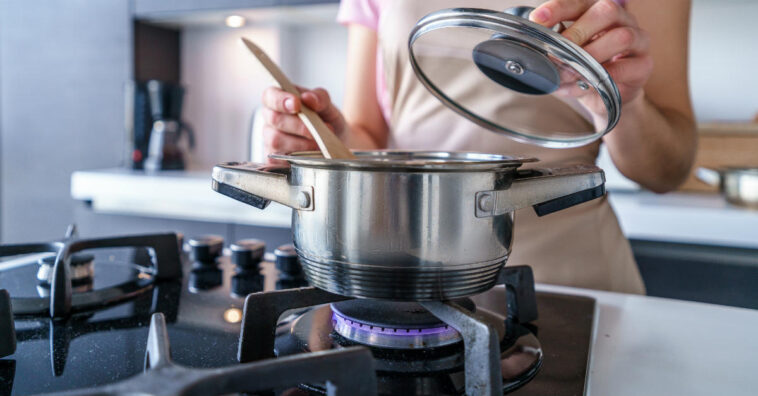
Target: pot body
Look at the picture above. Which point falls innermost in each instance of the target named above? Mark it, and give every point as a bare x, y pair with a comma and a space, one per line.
409, 235
413, 226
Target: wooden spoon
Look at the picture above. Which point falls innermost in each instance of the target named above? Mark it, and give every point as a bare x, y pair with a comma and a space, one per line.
329, 144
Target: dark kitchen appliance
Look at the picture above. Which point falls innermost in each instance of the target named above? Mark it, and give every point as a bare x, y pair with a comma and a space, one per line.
102, 342
158, 138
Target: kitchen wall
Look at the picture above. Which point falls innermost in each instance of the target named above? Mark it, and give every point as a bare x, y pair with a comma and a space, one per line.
223, 88
225, 82
723, 59
63, 64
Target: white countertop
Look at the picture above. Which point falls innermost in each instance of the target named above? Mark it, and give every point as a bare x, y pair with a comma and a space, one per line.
696, 218
169, 194
656, 346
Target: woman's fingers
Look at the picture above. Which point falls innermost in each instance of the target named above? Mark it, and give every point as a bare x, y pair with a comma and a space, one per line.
287, 123
619, 41
284, 131
600, 16
316, 99
280, 142
279, 100
319, 101
631, 71
554, 11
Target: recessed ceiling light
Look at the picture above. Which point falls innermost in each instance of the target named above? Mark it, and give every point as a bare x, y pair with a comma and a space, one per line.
235, 21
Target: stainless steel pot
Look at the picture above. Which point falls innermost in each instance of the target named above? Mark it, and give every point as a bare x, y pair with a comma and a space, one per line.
738, 185
406, 225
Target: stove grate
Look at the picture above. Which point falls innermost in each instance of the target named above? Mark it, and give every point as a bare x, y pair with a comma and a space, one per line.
482, 376
347, 372
63, 302
7, 330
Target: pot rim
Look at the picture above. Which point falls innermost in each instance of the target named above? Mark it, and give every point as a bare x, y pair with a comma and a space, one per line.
408, 159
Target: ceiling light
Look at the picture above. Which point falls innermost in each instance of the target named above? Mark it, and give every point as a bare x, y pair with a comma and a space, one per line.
235, 21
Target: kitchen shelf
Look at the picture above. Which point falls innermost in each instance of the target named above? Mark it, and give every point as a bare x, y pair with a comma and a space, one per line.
676, 217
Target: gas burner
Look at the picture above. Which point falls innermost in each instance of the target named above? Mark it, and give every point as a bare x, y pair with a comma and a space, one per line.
68, 271
404, 364
499, 352
396, 325
82, 273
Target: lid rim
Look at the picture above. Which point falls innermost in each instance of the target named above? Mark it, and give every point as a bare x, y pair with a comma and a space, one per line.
379, 159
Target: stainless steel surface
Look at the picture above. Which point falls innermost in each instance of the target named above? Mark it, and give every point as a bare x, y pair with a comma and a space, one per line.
481, 343
738, 185
262, 180
572, 64
390, 227
524, 191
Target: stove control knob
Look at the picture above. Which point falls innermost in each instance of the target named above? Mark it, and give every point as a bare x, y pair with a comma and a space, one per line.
287, 261
206, 248
247, 253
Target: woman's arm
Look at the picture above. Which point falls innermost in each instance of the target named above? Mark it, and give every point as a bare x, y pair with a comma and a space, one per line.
655, 140
644, 48
367, 126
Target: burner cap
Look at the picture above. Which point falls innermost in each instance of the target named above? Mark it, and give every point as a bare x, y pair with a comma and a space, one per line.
392, 324
82, 269
76, 259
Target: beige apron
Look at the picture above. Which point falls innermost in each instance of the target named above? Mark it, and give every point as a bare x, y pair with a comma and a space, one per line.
581, 246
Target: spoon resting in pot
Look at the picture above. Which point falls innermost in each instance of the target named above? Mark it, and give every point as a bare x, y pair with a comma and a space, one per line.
329, 144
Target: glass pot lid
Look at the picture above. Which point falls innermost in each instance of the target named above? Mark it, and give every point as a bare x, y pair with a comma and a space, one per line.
514, 77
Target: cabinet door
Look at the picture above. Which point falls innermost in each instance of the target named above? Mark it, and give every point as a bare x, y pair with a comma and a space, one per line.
63, 65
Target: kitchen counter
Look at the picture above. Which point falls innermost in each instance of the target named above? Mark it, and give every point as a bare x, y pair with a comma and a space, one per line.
185, 195
678, 217
655, 346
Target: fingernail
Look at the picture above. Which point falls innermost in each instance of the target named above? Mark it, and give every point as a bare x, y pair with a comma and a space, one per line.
541, 15
289, 104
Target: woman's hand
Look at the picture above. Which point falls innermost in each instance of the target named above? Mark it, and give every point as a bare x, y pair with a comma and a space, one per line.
654, 142
284, 132
607, 32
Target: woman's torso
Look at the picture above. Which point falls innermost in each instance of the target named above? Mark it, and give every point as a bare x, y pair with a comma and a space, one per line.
582, 246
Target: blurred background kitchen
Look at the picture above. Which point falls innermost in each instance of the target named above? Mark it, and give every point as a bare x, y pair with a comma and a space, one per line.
87, 87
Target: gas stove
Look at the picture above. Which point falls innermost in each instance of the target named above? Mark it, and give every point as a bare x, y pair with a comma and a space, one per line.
123, 315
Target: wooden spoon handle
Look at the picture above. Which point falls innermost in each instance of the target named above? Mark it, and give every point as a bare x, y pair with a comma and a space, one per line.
331, 146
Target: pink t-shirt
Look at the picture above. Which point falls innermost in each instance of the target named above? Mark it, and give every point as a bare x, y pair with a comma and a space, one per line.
367, 13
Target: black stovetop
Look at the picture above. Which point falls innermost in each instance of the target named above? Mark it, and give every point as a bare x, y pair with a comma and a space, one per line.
90, 349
